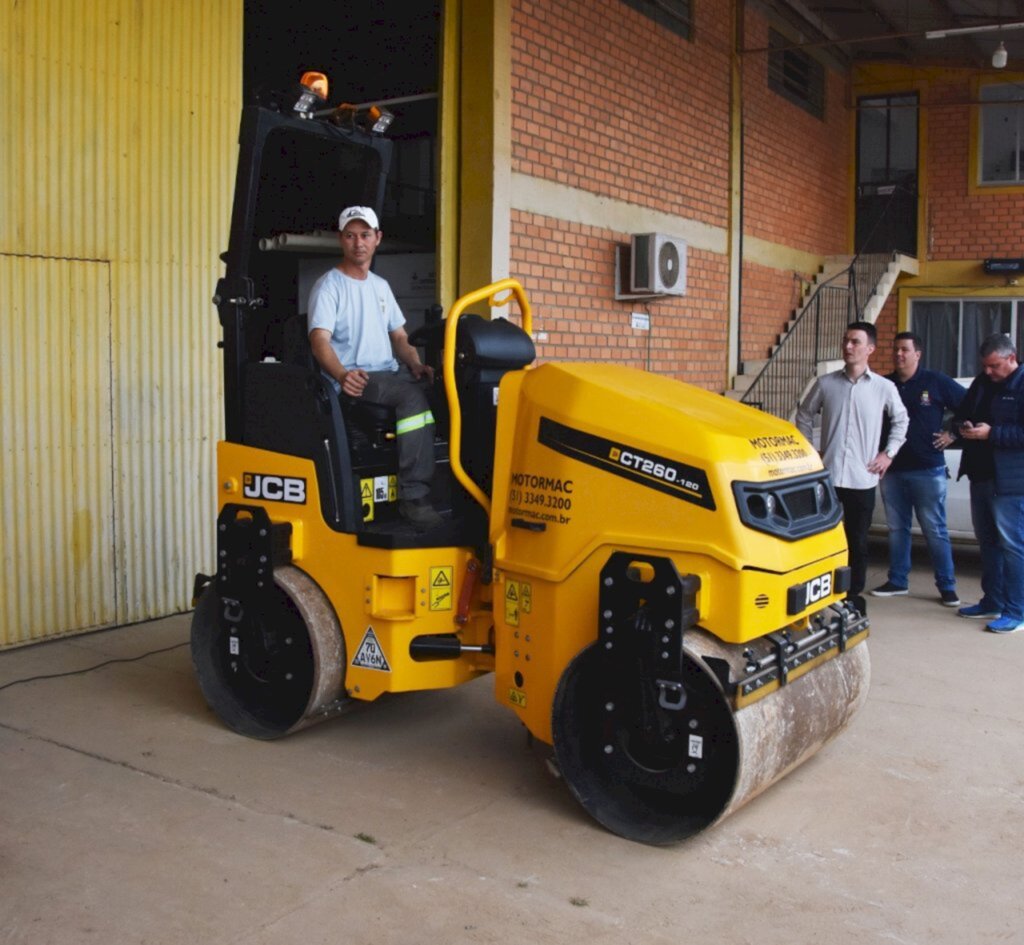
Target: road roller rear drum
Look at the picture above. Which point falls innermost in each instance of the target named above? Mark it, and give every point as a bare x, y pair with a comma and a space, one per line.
271, 663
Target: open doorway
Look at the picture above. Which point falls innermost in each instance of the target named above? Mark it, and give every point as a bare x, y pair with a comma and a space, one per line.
372, 52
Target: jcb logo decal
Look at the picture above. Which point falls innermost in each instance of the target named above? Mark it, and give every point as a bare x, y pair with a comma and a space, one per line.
274, 488
801, 596
818, 588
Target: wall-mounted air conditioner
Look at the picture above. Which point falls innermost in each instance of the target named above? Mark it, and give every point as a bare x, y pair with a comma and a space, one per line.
657, 264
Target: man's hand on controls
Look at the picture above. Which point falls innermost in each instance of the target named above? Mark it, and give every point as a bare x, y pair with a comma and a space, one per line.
420, 371
354, 382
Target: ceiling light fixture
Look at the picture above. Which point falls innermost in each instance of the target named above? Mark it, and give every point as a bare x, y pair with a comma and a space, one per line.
999, 57
965, 30
853, 40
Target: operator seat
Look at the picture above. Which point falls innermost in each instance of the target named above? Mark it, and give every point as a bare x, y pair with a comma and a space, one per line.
375, 422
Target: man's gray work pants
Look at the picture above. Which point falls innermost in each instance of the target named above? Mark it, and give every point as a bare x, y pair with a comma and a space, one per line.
414, 429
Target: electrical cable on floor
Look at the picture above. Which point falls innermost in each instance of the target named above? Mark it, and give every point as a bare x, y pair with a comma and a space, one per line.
89, 669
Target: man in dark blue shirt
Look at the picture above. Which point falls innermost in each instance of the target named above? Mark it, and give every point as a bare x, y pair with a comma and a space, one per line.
915, 483
990, 426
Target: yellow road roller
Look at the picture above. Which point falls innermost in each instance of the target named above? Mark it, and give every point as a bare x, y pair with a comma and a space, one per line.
654, 575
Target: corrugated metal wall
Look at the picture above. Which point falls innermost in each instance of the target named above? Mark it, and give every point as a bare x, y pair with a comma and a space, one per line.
118, 143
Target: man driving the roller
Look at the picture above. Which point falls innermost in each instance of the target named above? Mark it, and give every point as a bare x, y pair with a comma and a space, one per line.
357, 334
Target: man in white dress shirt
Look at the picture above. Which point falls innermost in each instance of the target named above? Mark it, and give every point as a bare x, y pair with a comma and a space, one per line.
852, 402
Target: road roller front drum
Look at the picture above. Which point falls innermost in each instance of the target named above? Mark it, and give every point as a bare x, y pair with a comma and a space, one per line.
663, 786
273, 663
660, 729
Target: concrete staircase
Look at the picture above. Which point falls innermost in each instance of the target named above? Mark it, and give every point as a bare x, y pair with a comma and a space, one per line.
834, 279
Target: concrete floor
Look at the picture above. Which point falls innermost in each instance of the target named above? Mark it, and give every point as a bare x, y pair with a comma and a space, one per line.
128, 814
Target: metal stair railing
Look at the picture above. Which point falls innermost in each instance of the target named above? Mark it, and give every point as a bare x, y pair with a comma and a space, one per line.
817, 333
778, 386
866, 272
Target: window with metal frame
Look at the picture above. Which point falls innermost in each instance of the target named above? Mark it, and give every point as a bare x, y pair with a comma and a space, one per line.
674, 15
795, 75
953, 329
1001, 133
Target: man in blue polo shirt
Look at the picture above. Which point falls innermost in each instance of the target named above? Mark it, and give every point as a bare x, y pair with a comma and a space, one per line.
916, 481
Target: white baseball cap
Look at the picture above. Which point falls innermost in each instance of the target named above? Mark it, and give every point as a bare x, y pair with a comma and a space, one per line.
358, 213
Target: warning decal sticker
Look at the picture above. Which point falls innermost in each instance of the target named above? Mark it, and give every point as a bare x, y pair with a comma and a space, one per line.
441, 588
512, 603
366, 498
370, 655
525, 597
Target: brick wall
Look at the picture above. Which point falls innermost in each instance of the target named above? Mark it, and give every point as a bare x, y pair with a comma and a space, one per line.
567, 271
796, 166
885, 325
795, 189
606, 101
585, 73
962, 225
769, 298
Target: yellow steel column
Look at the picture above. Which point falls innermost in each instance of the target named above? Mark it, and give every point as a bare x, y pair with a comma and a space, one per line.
448, 160
485, 143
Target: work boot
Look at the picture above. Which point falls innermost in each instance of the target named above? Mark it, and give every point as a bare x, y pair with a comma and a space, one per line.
419, 512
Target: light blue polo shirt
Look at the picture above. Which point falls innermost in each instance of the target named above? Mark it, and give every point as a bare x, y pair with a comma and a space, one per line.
359, 314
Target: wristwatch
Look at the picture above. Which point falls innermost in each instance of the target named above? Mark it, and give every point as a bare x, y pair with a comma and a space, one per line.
891, 453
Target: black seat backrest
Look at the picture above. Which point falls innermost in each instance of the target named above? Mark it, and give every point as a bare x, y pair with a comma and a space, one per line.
485, 350
295, 339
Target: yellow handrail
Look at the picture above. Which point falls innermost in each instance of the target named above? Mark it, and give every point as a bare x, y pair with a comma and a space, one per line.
487, 293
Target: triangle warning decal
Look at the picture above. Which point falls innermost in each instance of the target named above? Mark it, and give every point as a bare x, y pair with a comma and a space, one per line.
370, 655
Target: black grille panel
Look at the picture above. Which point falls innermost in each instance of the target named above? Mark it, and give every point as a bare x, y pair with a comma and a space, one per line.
800, 503
790, 509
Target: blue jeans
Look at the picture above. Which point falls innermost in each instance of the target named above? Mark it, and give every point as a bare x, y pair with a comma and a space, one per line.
999, 526
920, 491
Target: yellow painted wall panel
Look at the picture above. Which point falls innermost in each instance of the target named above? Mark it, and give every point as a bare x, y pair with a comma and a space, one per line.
120, 154
56, 502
